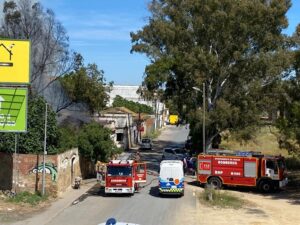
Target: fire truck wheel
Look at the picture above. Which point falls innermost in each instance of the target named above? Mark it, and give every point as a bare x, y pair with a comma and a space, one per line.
215, 182
265, 186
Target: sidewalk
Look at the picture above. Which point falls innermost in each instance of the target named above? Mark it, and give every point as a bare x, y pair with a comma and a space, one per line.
58, 206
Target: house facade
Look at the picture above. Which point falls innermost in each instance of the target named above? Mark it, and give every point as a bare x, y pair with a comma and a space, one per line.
121, 121
129, 92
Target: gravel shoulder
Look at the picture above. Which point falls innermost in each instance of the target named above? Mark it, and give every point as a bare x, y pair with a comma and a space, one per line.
277, 208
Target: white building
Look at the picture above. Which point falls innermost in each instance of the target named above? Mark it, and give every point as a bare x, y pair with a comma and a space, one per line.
121, 121
129, 92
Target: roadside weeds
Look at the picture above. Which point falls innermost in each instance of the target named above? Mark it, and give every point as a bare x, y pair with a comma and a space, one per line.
220, 199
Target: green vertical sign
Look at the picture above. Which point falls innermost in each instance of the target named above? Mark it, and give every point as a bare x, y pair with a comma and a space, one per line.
13, 109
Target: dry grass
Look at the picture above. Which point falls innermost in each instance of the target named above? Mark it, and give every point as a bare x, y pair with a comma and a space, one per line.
21, 207
221, 199
265, 141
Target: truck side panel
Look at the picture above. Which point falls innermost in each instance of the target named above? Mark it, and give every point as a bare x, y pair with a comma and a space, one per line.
231, 170
230, 162
241, 181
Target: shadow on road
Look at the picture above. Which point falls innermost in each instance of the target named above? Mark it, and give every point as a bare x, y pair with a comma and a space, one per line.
153, 157
195, 183
155, 193
97, 191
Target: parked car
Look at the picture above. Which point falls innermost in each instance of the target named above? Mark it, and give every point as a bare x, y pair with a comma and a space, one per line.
146, 143
170, 153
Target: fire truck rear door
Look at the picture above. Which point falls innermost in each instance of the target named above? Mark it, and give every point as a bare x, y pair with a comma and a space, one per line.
140, 172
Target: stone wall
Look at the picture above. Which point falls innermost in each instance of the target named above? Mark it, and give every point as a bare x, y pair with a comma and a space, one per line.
68, 168
87, 168
149, 126
28, 172
23, 172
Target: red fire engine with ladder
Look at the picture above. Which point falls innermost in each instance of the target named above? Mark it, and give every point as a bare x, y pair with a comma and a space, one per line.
121, 176
251, 169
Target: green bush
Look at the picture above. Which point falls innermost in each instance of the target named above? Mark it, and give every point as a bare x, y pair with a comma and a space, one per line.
67, 138
133, 106
293, 163
94, 142
220, 199
29, 198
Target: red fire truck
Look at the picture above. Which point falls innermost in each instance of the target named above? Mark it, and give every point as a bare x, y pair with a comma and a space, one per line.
121, 176
242, 169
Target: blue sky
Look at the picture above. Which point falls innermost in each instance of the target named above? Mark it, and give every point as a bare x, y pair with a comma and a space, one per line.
99, 30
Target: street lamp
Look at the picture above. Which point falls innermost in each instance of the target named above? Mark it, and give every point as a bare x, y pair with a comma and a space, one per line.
203, 107
155, 110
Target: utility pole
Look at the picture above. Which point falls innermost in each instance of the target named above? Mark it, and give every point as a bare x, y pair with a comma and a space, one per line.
45, 152
203, 127
139, 126
203, 122
155, 113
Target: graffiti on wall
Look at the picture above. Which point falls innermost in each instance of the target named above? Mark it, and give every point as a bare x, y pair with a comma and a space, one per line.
50, 168
64, 163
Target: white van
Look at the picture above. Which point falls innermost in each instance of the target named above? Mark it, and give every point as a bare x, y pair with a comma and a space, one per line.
171, 177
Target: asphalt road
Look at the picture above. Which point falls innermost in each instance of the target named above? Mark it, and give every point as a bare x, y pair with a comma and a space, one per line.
145, 208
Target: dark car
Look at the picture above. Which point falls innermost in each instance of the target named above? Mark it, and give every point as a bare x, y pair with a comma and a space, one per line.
146, 143
171, 153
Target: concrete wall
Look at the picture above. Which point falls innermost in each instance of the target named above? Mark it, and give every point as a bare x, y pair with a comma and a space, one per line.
6, 171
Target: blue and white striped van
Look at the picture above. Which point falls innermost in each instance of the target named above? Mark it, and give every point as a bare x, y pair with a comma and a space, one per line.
171, 177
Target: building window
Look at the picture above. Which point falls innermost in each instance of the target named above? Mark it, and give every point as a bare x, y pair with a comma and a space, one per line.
120, 136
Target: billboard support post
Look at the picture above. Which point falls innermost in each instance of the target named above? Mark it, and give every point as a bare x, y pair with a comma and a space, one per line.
45, 150
15, 164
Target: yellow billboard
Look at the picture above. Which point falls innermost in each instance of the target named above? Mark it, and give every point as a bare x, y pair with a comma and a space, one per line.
14, 61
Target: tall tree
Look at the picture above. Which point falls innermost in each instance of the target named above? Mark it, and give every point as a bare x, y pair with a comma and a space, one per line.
289, 121
94, 142
87, 85
235, 47
50, 57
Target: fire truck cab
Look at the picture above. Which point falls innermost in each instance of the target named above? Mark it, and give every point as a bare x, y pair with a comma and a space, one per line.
242, 169
121, 176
